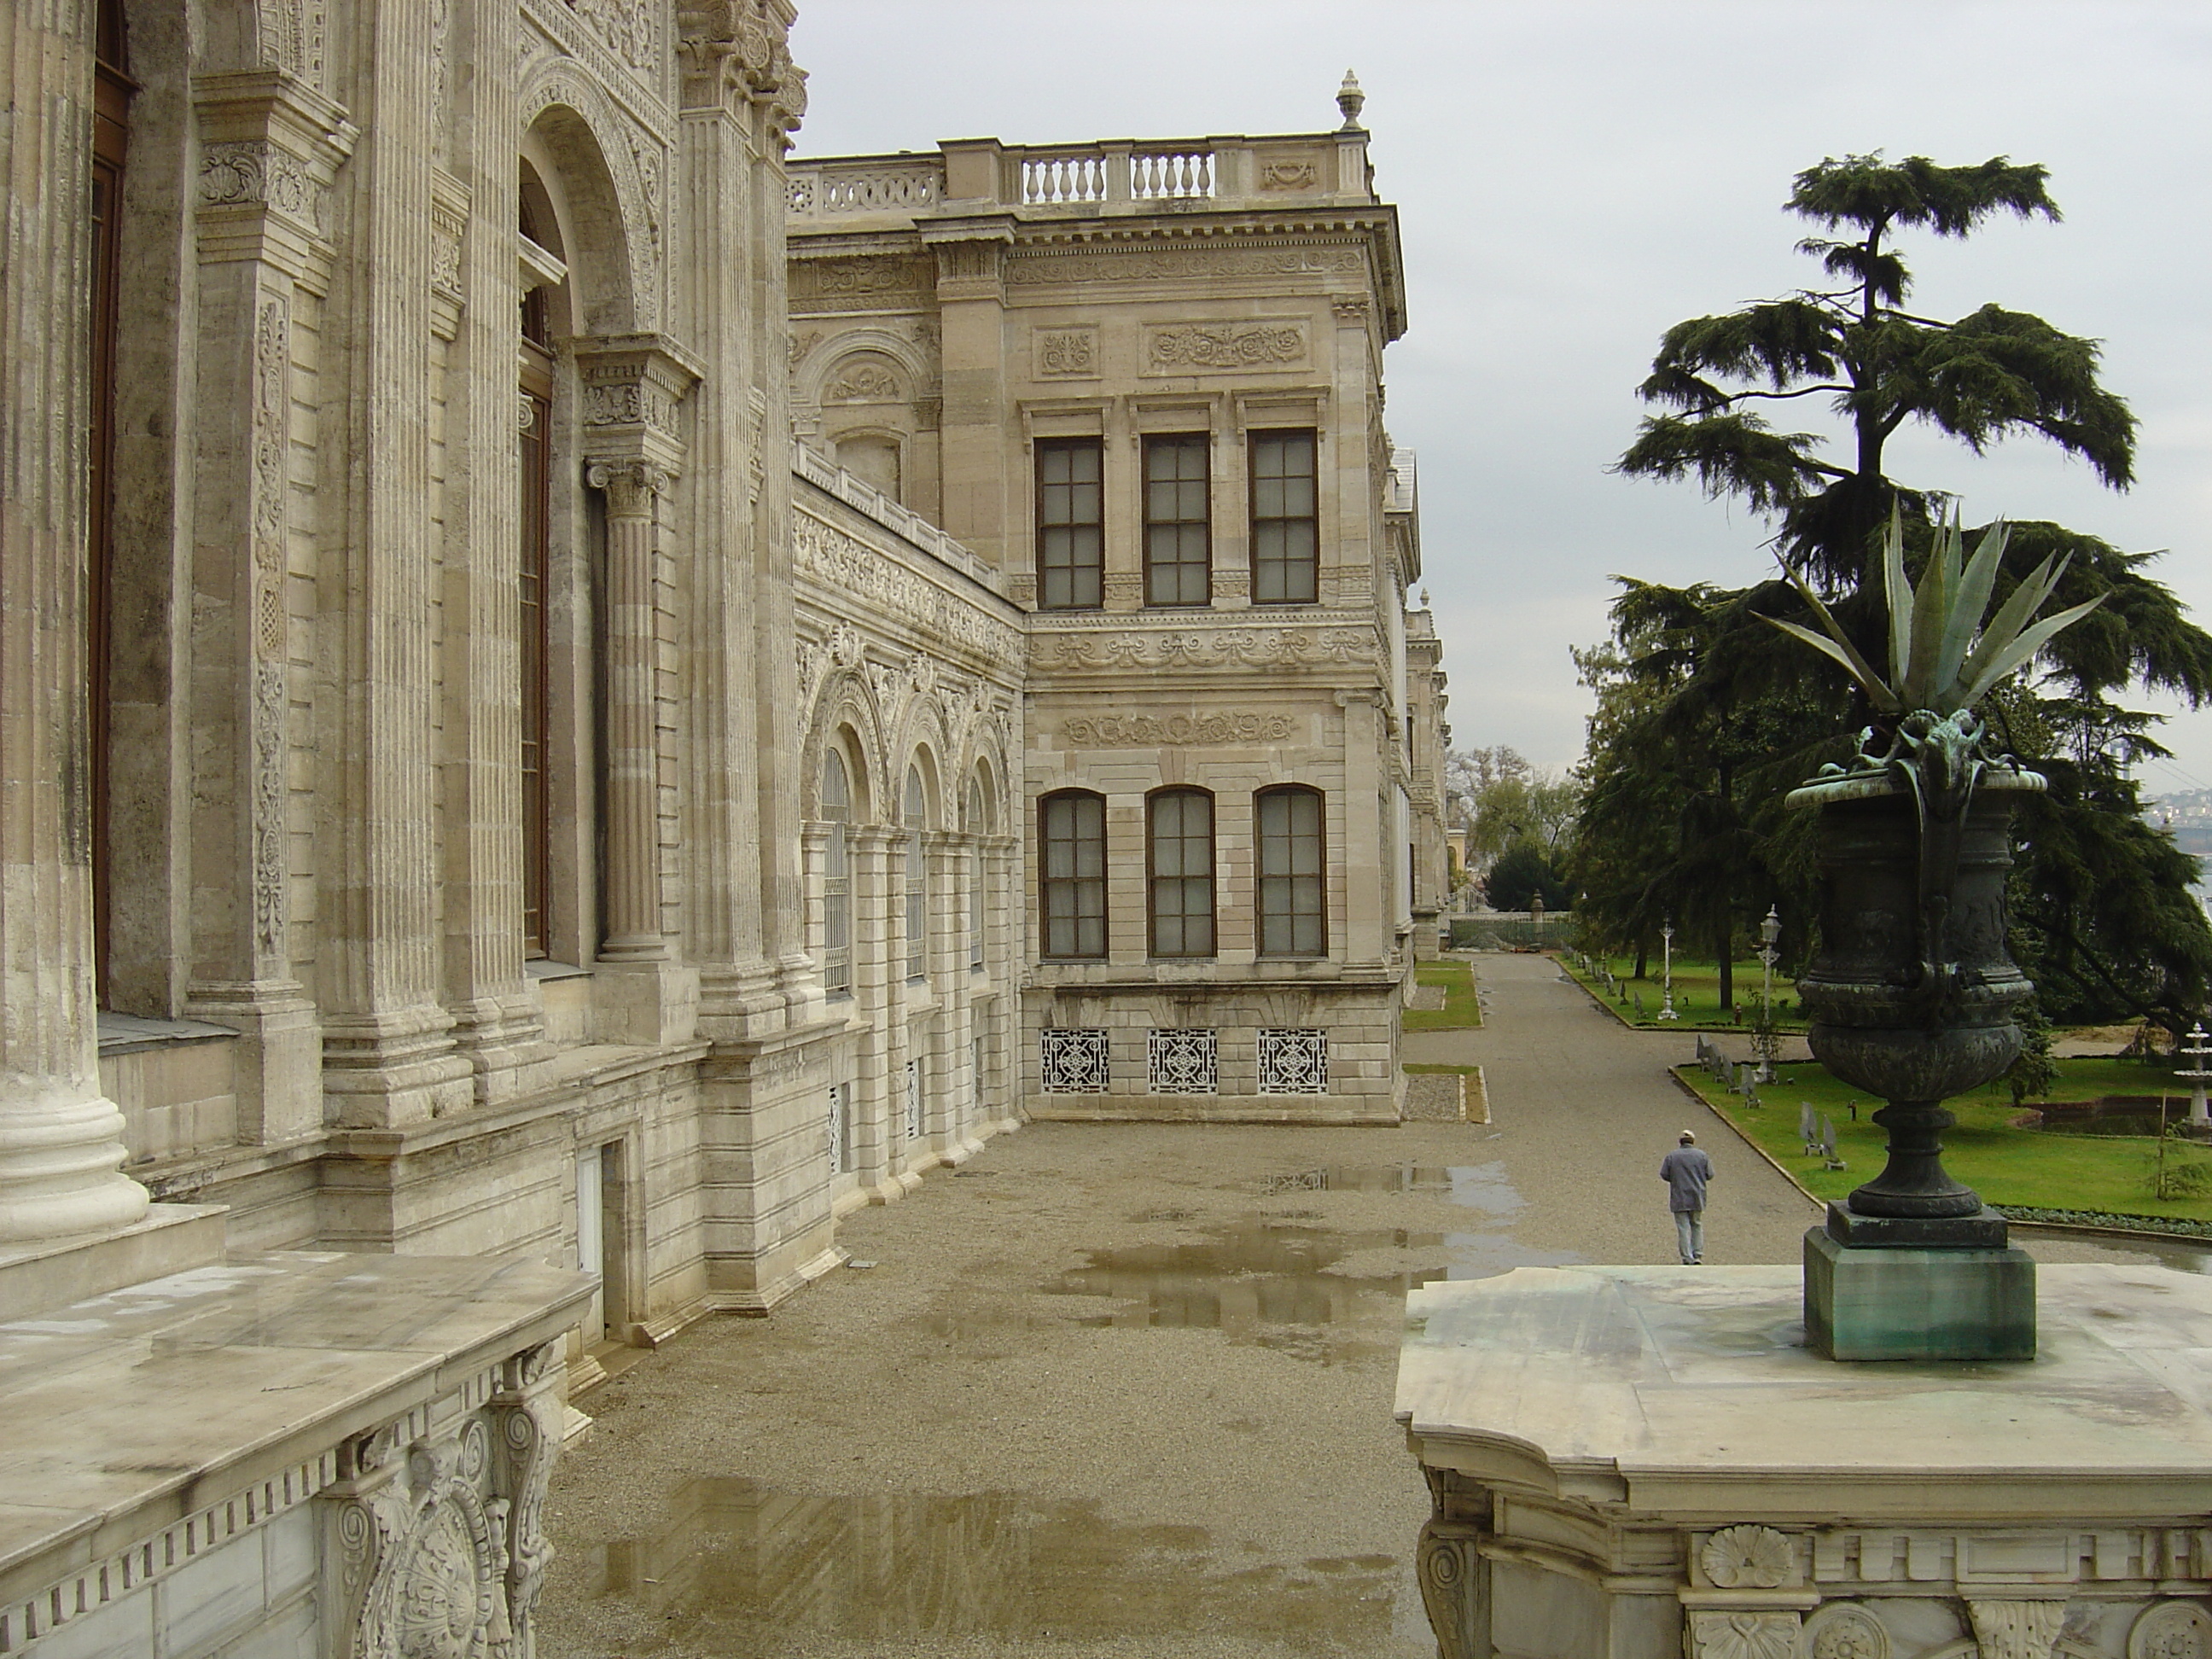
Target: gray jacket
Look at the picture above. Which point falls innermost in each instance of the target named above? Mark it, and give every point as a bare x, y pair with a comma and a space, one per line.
1686, 1171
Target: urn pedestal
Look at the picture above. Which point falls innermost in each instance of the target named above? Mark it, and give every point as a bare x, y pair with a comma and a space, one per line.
1913, 997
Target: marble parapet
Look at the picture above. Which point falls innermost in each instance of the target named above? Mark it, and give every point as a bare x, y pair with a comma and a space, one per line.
1647, 1462
160, 1423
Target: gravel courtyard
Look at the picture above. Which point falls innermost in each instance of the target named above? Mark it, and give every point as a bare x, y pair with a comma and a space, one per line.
1123, 1390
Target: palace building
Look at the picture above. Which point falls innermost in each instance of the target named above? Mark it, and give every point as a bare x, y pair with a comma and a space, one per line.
578, 691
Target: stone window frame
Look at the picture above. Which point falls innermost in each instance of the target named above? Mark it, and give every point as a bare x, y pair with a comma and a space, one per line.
915, 874
1075, 897
1186, 840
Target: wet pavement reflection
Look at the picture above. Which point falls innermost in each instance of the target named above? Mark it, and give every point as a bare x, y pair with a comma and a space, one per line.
745, 1569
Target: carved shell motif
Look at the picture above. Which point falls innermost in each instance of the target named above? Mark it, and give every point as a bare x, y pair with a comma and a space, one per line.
1749, 1558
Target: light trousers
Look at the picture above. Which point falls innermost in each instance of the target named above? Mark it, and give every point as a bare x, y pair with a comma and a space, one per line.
1690, 1233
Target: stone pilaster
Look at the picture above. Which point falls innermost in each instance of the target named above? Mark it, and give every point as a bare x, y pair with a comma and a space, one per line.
731, 242
271, 149
971, 313
1367, 929
472, 281
60, 1142
388, 1052
875, 1001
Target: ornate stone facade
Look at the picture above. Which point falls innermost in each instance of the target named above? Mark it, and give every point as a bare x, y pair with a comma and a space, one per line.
1079, 303
424, 647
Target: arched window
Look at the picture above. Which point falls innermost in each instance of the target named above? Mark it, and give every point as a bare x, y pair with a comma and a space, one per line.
836, 880
535, 461
917, 880
1180, 849
975, 874
1072, 831
1293, 888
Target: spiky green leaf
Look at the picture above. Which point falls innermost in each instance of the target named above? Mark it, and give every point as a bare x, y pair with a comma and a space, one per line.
1980, 576
1839, 650
2022, 649
2012, 617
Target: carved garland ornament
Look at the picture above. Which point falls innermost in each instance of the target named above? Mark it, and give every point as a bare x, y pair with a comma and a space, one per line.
1137, 265
1068, 353
843, 561
1226, 345
254, 172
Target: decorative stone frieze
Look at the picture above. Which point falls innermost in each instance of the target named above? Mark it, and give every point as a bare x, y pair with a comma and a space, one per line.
1246, 648
1196, 348
841, 560
1741, 1635
1150, 732
1043, 267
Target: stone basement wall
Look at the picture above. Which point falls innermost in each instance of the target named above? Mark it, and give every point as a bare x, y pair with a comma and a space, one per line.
1359, 1022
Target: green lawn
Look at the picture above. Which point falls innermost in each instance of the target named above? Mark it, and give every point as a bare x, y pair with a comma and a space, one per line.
1460, 1012
2028, 1168
1697, 995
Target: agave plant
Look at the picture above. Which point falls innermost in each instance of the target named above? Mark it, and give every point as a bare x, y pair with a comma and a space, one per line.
1935, 662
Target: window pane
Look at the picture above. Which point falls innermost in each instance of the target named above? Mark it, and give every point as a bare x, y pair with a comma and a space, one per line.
1069, 518
1292, 893
1182, 873
1074, 893
1177, 553
1285, 539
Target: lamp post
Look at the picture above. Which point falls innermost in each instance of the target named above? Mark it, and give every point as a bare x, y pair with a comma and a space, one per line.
1666, 970
1536, 917
1769, 932
2197, 1049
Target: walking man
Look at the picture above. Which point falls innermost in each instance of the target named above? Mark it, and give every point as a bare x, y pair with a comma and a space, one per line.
1686, 1171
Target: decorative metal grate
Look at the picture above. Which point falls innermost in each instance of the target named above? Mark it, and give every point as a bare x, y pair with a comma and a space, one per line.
841, 1141
913, 1100
1073, 1062
1184, 1062
1293, 1062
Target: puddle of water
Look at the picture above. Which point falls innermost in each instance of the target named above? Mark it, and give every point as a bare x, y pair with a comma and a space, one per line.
1247, 1277
2182, 1255
755, 1571
1481, 1187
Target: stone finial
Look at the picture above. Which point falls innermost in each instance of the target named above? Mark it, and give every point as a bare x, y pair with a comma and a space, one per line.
1351, 100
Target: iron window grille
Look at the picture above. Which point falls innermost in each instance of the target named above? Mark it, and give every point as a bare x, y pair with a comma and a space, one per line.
1293, 1062
1183, 1062
1072, 1062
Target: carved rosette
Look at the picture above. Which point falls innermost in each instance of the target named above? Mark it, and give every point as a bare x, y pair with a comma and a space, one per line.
1749, 1558
1844, 1630
1147, 731
2172, 1630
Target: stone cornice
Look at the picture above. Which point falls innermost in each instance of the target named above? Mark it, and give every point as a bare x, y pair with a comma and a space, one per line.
632, 386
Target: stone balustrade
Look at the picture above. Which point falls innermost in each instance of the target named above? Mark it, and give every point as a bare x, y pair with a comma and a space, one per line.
1125, 175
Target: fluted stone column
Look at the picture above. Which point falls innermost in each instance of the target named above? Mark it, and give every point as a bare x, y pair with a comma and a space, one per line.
633, 386
61, 1144
389, 1058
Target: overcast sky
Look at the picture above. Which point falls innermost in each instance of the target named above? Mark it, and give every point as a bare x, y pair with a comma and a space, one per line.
1573, 178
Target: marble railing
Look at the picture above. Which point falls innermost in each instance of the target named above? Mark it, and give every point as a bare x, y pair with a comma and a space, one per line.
1115, 174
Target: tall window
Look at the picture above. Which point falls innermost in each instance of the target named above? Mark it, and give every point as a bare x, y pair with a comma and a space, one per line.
1293, 918
975, 876
536, 472
1070, 523
1177, 558
836, 880
110, 132
1285, 525
1072, 827
917, 881
1181, 849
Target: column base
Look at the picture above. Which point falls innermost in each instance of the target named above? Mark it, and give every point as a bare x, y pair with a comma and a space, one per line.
649, 1004
1893, 1303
